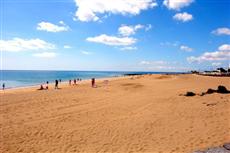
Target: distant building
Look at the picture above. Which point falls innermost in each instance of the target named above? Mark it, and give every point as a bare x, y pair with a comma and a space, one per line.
218, 72
221, 70
194, 72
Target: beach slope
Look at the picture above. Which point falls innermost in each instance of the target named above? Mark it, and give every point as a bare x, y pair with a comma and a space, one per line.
141, 114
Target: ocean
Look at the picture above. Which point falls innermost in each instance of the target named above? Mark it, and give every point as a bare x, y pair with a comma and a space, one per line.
24, 78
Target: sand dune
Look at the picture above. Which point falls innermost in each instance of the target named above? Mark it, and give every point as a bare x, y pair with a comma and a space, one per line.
143, 114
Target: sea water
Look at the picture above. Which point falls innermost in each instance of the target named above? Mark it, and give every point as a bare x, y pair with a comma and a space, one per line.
24, 78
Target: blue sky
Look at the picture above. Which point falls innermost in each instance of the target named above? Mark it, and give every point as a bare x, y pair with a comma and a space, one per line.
134, 35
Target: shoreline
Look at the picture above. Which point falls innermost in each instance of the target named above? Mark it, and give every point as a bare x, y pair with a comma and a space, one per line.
119, 75
52, 83
62, 84
102, 78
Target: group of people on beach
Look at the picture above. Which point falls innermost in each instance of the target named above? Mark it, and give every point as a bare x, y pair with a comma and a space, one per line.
74, 81
93, 84
77, 80
47, 85
70, 83
44, 88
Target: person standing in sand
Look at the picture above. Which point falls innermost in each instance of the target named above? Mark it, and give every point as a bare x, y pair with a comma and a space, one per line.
74, 82
56, 84
93, 82
3, 86
70, 82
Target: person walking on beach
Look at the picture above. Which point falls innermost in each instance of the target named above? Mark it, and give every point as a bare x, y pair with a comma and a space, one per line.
93, 82
47, 85
56, 84
75, 82
3, 86
70, 82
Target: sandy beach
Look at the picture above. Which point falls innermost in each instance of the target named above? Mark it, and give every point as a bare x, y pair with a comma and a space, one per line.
141, 114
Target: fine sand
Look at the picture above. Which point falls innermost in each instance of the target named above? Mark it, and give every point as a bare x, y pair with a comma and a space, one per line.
141, 114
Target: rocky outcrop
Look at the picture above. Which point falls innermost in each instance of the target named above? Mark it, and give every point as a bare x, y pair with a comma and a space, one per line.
224, 149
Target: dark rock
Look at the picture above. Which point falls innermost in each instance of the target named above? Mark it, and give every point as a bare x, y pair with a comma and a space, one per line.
217, 150
198, 151
222, 89
202, 94
210, 91
227, 146
189, 93
224, 149
133, 74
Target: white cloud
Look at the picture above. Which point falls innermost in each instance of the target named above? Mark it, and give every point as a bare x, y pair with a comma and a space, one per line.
50, 27
222, 54
216, 64
222, 31
153, 62
224, 47
177, 4
210, 56
138, 26
186, 48
89, 10
67, 47
162, 66
144, 63
112, 40
174, 44
125, 30
184, 17
129, 48
19, 44
45, 55
86, 52
123, 40
148, 27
